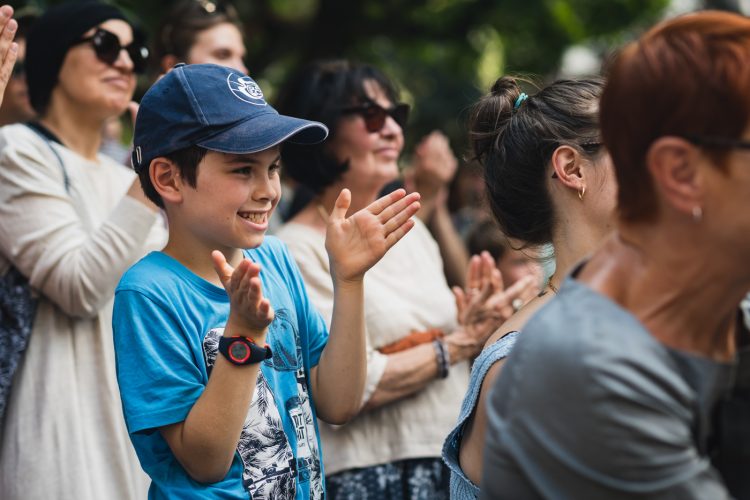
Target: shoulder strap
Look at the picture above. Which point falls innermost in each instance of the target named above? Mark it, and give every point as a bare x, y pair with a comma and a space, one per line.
49, 138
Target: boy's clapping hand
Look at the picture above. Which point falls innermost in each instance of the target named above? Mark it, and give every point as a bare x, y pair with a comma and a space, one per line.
356, 243
250, 313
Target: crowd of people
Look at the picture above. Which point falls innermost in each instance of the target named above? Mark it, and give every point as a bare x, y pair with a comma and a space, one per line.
176, 328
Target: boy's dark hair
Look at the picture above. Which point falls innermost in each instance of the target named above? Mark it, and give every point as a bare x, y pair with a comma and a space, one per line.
320, 91
513, 139
187, 160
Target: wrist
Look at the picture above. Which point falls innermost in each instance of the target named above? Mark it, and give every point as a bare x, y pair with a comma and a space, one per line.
348, 284
442, 357
237, 329
461, 347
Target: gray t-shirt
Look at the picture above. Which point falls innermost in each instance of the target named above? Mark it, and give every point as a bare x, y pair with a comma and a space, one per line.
591, 405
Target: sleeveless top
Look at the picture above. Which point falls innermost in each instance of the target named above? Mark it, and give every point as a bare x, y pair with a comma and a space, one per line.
461, 487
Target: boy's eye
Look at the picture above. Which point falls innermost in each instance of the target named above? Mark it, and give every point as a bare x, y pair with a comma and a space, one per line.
275, 168
243, 170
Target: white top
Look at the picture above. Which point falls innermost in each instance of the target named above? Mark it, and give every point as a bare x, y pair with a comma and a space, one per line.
404, 292
64, 435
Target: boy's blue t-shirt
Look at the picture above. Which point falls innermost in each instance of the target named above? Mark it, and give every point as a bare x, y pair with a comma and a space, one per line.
167, 324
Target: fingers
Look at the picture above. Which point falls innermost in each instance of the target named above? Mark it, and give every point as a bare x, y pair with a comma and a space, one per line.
221, 266
400, 217
460, 297
473, 282
8, 48
399, 233
341, 206
377, 206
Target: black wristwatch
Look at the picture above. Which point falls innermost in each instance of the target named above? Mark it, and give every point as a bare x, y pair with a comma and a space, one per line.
243, 351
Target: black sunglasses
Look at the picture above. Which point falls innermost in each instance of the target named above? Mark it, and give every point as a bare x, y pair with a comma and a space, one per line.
375, 115
107, 48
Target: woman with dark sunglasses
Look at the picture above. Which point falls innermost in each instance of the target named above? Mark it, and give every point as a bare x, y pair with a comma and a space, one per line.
417, 368
71, 221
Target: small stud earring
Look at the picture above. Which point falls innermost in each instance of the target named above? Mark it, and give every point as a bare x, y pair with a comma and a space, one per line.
697, 213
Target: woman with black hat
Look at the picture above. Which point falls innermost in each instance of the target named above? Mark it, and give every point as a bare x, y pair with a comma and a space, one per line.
71, 221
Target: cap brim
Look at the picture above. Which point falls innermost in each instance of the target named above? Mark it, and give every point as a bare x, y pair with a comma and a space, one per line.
265, 131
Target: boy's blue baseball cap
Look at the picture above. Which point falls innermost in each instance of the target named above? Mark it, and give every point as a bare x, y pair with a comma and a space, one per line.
216, 108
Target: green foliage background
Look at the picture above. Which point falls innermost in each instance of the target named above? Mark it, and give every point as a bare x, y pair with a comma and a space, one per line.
443, 53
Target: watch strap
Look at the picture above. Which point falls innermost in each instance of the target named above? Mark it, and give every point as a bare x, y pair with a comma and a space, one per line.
240, 350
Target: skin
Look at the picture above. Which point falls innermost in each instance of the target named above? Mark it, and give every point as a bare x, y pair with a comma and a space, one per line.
88, 93
433, 167
692, 310
16, 106
221, 44
517, 264
208, 227
372, 160
585, 223
8, 48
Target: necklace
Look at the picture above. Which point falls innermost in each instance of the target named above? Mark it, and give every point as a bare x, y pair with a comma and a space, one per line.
550, 286
322, 212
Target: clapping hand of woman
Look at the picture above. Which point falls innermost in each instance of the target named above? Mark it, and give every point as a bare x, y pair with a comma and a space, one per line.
486, 304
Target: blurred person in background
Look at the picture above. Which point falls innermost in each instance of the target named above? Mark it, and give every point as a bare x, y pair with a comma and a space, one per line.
549, 180
612, 389
512, 260
16, 107
71, 221
418, 351
198, 32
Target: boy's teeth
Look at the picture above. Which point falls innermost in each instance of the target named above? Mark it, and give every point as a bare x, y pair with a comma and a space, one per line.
253, 217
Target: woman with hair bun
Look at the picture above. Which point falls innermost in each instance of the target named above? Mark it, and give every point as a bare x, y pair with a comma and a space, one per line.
549, 180
631, 381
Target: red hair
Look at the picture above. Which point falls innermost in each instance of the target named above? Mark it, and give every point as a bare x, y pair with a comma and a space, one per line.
689, 76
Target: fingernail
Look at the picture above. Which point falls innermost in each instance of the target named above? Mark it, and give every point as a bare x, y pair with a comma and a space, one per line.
6, 11
11, 26
14, 47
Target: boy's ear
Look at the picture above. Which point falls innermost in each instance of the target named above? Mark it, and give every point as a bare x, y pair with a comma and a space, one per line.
566, 162
674, 164
166, 179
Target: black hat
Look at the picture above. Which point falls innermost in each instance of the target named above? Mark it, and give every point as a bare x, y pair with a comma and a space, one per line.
50, 38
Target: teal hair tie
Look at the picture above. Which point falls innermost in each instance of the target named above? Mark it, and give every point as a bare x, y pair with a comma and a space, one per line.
520, 100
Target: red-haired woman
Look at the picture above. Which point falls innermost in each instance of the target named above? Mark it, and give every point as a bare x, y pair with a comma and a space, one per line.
610, 392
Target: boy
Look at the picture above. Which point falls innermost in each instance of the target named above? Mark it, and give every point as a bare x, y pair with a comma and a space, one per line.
223, 364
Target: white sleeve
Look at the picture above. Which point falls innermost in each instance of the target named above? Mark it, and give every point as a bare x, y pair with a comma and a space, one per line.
43, 234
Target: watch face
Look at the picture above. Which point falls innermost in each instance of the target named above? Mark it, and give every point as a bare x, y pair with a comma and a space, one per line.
239, 351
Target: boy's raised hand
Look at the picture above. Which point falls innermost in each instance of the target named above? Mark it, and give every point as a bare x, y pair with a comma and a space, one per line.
249, 312
356, 243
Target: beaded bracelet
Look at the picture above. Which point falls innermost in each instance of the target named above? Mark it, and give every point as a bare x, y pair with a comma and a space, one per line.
441, 354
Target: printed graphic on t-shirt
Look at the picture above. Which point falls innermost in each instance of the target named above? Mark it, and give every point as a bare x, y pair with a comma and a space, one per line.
287, 350
269, 467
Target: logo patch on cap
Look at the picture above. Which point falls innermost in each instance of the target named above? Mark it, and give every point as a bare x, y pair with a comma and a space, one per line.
245, 89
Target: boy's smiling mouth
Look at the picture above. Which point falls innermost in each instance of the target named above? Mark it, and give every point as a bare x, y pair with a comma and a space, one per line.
254, 217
